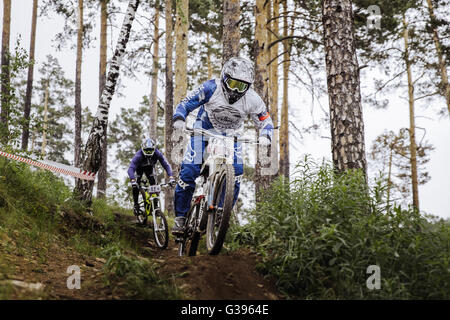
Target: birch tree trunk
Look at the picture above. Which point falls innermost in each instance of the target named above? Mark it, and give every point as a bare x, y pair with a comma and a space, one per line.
103, 172
181, 33
77, 146
347, 127
94, 147
412, 125
5, 74
231, 31
441, 59
154, 85
29, 90
168, 107
261, 83
284, 127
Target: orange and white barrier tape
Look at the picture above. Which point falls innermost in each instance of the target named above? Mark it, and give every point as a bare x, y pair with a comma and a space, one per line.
53, 166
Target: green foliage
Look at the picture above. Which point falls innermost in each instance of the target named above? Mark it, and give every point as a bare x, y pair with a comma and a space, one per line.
10, 130
29, 202
141, 277
59, 133
318, 234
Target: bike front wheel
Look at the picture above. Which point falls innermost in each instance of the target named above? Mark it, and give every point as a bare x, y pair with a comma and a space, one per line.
219, 218
160, 229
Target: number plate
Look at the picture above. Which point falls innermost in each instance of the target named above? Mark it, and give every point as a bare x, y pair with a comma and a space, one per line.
154, 189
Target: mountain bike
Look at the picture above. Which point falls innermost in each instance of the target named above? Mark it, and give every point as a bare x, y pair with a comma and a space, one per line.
217, 185
150, 205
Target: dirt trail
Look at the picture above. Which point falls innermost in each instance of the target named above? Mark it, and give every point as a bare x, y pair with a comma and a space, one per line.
225, 276
229, 275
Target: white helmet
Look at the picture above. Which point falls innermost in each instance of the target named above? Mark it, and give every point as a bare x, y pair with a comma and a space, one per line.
237, 76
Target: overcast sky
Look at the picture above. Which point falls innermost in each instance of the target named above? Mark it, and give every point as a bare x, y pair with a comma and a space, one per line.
434, 196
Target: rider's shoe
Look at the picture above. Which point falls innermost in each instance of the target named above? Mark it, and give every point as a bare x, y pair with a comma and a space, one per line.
178, 227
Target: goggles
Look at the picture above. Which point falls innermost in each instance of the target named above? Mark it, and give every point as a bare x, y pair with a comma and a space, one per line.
148, 151
236, 85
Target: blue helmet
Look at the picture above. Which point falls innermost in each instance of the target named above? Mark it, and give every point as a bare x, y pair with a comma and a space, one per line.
148, 147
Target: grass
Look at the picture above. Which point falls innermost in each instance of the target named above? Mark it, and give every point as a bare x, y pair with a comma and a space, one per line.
37, 211
318, 235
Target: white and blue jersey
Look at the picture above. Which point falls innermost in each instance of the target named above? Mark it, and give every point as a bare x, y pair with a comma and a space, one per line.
215, 113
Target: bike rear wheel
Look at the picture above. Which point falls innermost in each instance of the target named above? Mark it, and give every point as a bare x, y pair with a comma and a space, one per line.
218, 221
189, 243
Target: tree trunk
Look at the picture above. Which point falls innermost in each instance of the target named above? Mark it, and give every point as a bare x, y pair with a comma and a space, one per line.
168, 108
441, 59
29, 90
284, 127
412, 126
181, 33
103, 172
154, 85
77, 147
5, 73
231, 31
45, 126
261, 85
389, 180
94, 147
347, 127
273, 78
208, 57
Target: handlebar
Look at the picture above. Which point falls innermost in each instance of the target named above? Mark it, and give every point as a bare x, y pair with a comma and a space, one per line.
143, 182
208, 133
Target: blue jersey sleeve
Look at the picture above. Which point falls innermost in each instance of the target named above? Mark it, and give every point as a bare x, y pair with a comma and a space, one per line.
195, 99
134, 164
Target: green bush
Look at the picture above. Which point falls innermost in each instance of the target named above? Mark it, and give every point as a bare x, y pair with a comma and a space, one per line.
140, 277
320, 233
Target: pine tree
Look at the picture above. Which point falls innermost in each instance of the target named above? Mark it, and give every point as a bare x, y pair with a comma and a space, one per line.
155, 69
262, 180
347, 126
78, 108
168, 103
52, 115
231, 31
5, 73
29, 92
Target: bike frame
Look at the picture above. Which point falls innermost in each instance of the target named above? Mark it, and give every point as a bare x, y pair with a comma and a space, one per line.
151, 198
215, 158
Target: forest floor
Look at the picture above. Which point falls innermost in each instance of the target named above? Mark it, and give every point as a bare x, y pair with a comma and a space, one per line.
40, 272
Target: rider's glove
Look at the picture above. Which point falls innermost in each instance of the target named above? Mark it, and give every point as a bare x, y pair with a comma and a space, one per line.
264, 141
179, 125
134, 184
172, 181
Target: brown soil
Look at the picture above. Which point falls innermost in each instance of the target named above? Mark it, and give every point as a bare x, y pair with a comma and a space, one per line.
226, 276
229, 275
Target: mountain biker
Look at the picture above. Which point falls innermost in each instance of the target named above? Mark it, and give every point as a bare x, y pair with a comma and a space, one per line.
144, 162
224, 103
